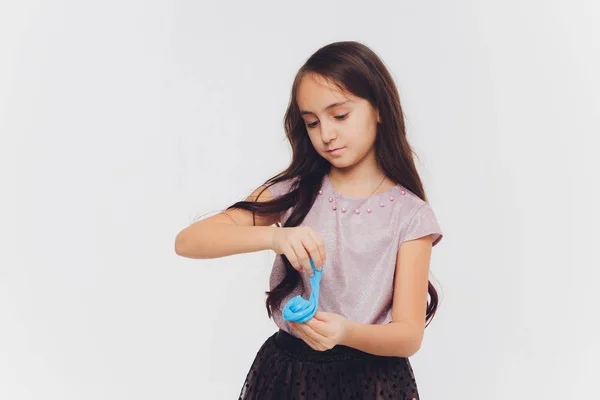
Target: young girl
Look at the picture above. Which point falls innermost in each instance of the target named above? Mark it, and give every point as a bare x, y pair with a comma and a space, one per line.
351, 203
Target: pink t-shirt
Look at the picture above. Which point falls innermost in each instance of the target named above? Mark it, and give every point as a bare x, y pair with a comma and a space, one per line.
362, 238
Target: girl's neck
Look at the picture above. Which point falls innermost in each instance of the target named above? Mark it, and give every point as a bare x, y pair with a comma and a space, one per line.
359, 182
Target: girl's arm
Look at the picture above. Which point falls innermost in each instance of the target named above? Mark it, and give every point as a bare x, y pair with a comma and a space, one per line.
229, 232
398, 338
403, 336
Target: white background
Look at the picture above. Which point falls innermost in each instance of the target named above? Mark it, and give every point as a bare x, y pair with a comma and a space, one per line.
124, 121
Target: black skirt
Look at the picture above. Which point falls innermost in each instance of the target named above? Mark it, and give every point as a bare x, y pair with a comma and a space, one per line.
286, 368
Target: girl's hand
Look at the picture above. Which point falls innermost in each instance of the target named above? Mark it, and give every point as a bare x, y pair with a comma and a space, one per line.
299, 244
323, 331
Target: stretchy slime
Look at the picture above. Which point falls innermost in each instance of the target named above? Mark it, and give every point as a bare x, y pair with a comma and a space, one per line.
297, 309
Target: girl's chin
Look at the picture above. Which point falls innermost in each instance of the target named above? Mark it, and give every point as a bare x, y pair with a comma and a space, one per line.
339, 162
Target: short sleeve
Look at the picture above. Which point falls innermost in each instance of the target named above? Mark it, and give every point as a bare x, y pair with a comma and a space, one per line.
280, 188
423, 223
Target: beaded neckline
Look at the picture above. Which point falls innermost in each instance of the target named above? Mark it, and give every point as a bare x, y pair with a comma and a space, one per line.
350, 198
366, 203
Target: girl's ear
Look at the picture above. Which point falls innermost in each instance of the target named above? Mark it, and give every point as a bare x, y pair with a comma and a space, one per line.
378, 117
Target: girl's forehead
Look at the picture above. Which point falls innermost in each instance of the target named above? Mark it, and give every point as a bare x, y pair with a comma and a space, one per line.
316, 93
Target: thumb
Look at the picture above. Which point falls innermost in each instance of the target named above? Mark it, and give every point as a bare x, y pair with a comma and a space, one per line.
322, 316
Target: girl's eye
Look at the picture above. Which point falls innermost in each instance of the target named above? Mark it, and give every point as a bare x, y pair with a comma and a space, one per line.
340, 117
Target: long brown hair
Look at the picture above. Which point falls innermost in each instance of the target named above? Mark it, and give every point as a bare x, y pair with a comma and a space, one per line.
354, 68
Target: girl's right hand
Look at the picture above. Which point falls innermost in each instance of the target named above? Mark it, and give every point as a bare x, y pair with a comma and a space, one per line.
299, 244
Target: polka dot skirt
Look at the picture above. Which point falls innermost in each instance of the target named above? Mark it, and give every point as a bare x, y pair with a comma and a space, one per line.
287, 368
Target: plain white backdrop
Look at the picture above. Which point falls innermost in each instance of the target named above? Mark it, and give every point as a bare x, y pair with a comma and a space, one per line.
124, 121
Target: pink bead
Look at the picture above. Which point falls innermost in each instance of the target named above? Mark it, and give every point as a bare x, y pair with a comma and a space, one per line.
391, 198
320, 192
381, 205
368, 210
343, 209
330, 199
334, 207
403, 192
357, 211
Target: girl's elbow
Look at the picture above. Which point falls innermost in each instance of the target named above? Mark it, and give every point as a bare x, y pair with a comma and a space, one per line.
178, 246
413, 346
413, 350
181, 246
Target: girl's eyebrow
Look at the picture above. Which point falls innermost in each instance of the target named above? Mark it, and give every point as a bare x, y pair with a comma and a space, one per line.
304, 112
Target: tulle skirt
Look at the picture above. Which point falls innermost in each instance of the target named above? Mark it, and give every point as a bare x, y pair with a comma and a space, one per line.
286, 368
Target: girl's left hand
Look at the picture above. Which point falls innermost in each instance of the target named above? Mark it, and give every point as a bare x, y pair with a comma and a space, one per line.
323, 331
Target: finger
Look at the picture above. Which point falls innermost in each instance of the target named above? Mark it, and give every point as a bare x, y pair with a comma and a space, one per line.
321, 315
318, 329
313, 252
308, 335
305, 337
324, 316
303, 258
292, 258
311, 333
320, 247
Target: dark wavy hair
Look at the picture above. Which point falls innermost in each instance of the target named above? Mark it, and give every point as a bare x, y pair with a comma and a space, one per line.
354, 68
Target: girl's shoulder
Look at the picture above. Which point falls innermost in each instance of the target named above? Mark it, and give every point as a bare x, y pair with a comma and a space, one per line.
416, 218
409, 201
282, 187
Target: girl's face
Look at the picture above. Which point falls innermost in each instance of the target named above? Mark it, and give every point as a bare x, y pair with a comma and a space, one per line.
341, 127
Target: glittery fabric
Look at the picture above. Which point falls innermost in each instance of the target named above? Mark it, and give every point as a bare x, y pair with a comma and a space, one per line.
361, 249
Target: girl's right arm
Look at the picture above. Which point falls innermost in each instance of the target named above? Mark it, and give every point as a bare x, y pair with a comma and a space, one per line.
229, 232
233, 232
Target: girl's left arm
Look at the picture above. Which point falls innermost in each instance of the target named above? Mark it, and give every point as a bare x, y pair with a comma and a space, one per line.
403, 336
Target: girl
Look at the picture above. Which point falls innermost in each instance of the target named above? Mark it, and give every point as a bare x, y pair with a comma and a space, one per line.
352, 203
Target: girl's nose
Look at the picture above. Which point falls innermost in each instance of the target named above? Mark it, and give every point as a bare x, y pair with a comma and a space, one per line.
327, 133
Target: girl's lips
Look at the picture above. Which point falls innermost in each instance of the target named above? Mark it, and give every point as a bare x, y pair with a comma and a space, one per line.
335, 151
